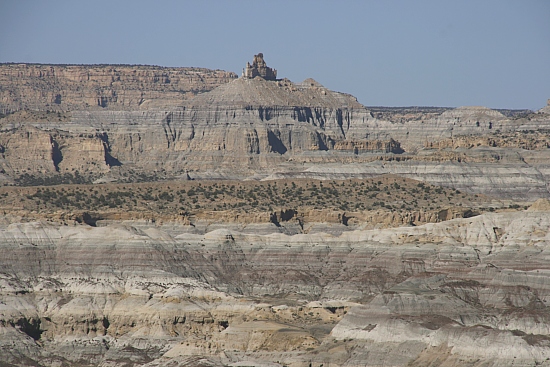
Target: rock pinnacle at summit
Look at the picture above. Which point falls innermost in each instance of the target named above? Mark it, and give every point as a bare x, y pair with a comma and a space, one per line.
186, 217
259, 68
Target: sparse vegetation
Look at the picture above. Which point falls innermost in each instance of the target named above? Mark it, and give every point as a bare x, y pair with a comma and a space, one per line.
388, 193
27, 179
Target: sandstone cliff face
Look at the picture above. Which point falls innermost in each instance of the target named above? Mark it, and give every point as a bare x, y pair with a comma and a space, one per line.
518, 180
277, 287
233, 140
75, 87
29, 150
244, 126
534, 140
266, 128
136, 293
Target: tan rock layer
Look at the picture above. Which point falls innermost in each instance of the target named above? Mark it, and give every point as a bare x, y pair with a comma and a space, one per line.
522, 140
73, 87
34, 151
471, 289
369, 146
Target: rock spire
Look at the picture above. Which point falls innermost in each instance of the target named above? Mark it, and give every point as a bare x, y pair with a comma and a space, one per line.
259, 68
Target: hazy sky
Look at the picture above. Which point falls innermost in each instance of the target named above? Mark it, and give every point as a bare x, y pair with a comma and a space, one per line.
391, 53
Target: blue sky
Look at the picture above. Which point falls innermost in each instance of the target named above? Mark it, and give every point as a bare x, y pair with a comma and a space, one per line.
386, 52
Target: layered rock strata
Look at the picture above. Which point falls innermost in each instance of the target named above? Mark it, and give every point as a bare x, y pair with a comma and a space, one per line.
259, 69
463, 292
237, 138
75, 87
250, 125
29, 150
258, 128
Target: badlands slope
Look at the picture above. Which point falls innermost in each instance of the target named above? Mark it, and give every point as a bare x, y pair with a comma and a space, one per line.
121, 245
464, 292
201, 123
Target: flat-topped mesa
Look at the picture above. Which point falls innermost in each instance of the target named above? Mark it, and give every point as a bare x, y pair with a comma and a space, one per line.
41, 87
259, 68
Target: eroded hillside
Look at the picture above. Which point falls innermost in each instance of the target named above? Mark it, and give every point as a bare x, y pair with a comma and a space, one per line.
182, 217
255, 128
469, 291
288, 206
39, 87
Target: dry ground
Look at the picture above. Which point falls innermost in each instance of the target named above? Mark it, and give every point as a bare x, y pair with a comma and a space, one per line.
387, 193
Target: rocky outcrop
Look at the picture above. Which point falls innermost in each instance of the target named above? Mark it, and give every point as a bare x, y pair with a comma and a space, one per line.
250, 128
31, 151
368, 146
364, 272
76, 87
258, 128
413, 133
259, 69
139, 293
249, 125
533, 140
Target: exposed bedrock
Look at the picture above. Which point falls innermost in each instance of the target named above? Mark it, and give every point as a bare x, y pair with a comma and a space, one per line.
517, 180
253, 128
281, 141
239, 140
41, 87
460, 291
